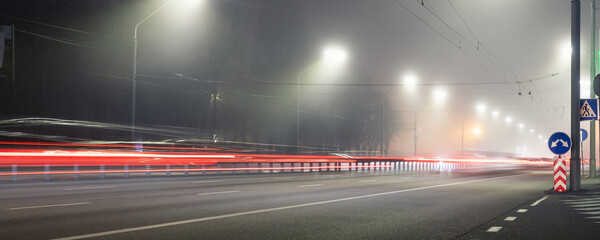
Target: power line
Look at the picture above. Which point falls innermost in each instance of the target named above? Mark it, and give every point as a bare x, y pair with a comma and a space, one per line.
56, 39
55, 26
463, 20
432, 28
481, 46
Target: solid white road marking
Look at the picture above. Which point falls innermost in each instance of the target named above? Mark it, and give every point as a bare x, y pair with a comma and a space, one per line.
208, 181
168, 224
47, 206
494, 229
539, 201
522, 210
214, 193
368, 180
88, 187
311, 185
510, 219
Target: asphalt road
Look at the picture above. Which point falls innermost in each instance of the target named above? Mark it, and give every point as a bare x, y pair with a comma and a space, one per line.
338, 205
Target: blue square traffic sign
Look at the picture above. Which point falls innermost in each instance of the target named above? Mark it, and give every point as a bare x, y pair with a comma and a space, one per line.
588, 109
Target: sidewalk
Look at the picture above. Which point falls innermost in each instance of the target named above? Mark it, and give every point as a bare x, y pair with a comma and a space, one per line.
568, 215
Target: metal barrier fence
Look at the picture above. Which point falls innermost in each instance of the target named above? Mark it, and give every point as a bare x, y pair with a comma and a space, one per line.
75, 171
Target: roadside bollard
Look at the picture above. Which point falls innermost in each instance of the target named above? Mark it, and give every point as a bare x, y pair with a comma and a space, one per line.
560, 174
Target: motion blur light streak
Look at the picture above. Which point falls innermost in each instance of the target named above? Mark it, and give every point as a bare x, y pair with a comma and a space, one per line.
101, 145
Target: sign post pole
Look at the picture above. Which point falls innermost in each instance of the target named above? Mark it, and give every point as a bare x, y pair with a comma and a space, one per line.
575, 170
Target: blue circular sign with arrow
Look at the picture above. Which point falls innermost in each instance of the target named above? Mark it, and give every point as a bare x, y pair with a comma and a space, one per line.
584, 134
559, 143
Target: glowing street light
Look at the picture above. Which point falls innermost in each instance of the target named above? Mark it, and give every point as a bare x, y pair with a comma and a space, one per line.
480, 107
439, 95
409, 80
566, 50
335, 54
508, 120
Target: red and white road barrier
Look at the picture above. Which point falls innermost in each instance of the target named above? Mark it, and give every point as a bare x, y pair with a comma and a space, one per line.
560, 174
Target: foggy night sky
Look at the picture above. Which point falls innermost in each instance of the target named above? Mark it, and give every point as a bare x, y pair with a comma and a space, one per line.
521, 46
527, 37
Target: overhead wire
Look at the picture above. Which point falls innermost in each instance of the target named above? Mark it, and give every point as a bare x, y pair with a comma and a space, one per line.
496, 61
56, 26
57, 39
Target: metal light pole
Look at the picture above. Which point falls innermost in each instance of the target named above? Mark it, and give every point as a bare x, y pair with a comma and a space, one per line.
330, 53
415, 141
133, 75
575, 165
381, 128
592, 93
462, 142
298, 104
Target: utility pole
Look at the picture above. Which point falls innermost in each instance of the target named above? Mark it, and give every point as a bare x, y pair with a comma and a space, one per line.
575, 165
381, 128
462, 142
415, 133
592, 94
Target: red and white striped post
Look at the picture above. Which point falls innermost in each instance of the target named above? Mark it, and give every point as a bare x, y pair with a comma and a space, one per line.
560, 174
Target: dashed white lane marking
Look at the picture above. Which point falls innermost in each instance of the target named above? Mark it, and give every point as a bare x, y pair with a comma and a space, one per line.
522, 210
169, 224
539, 201
208, 181
591, 213
310, 185
88, 187
494, 229
48, 206
368, 180
214, 193
594, 217
510, 219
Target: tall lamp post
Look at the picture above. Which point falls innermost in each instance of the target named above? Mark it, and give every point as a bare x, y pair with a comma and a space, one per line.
133, 75
409, 81
330, 54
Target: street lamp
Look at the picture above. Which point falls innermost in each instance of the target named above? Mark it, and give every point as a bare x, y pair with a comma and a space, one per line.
439, 95
495, 114
480, 108
409, 81
331, 54
134, 74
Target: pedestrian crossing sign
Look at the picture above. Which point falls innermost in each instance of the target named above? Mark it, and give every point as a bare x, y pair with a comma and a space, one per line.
588, 110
